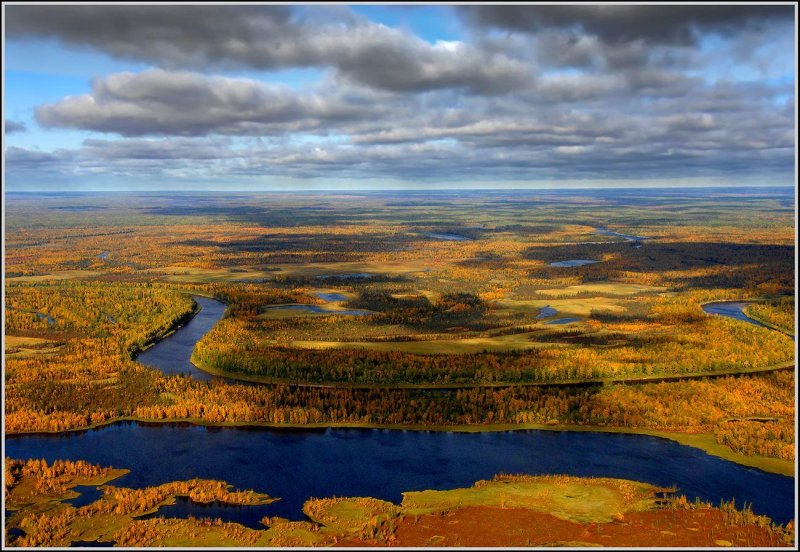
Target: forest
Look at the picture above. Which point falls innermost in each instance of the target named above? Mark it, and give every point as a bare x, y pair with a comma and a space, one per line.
479, 331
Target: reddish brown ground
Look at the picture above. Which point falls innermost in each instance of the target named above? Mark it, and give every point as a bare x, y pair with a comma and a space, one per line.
481, 526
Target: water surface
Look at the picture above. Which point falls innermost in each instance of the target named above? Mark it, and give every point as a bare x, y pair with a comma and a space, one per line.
331, 297
172, 355
448, 237
574, 262
546, 312
732, 309
39, 315
296, 465
353, 275
627, 237
88, 494
567, 320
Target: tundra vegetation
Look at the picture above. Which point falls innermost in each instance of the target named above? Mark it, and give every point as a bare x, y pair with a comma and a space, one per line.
564, 507
480, 333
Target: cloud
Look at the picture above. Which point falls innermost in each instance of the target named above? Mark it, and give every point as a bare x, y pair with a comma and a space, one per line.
12, 127
655, 24
671, 138
271, 37
190, 104
574, 98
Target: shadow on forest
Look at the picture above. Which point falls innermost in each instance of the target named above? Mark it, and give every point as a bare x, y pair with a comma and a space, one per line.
267, 217
368, 243
736, 264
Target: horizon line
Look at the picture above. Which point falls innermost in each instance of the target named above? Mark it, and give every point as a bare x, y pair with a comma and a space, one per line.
393, 189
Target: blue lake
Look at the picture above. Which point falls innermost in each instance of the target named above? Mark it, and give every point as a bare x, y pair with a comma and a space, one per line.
559, 321
546, 312
573, 262
298, 464
448, 237
295, 465
330, 297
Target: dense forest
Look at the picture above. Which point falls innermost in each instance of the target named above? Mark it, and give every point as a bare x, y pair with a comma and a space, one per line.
90, 285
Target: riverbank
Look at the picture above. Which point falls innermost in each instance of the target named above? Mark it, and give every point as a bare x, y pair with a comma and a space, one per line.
504, 510
656, 378
702, 441
769, 325
162, 333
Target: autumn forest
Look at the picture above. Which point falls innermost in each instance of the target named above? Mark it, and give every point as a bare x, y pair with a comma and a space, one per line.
645, 312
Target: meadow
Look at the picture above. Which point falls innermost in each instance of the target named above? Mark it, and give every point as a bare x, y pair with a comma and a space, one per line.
565, 509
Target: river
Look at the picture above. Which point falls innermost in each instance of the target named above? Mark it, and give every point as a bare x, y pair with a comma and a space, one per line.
298, 464
172, 355
732, 309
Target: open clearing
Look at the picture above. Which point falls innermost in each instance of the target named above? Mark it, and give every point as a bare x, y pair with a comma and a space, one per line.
578, 307
583, 500
26, 347
57, 275
453, 346
603, 288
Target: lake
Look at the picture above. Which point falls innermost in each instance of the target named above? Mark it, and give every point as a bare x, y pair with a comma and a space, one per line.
448, 237
573, 262
298, 464
548, 311
331, 297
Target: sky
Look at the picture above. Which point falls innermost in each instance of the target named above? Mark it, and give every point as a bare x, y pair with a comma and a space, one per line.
313, 97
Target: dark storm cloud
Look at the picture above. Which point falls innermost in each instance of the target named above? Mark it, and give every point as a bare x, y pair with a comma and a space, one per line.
14, 126
271, 37
676, 24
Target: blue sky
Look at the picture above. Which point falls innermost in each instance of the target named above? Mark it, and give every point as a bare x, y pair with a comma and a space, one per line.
317, 97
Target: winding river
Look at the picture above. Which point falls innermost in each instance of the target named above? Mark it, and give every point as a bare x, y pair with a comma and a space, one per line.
172, 355
732, 309
298, 464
